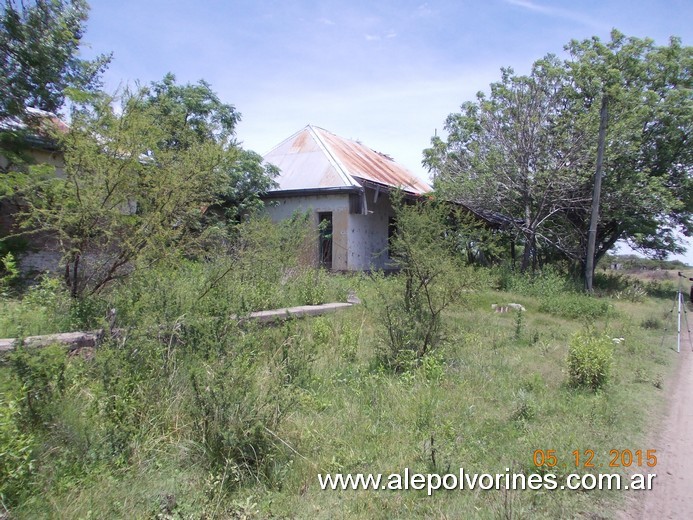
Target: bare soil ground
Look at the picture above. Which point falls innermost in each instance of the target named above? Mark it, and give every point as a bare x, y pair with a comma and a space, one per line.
672, 491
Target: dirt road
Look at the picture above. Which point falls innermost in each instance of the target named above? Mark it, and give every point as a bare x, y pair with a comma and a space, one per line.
672, 492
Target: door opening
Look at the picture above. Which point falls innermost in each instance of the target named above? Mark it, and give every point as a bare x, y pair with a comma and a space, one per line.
325, 247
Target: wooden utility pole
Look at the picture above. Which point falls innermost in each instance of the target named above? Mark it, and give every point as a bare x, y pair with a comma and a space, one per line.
594, 219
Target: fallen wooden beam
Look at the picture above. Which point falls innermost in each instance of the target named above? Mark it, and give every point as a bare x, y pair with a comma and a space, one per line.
296, 312
72, 340
77, 340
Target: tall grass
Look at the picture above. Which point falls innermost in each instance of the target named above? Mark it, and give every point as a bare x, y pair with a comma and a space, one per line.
191, 413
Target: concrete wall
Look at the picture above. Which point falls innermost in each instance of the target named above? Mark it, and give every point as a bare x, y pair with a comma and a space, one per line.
282, 208
35, 262
39, 157
359, 242
368, 244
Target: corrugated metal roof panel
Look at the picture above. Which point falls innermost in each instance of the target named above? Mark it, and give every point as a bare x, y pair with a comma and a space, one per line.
304, 164
314, 158
365, 163
40, 127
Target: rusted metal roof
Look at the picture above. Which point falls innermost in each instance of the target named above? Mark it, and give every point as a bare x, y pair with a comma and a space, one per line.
315, 158
38, 126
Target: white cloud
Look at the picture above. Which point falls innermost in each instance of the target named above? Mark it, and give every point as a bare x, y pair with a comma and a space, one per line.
377, 37
558, 12
529, 5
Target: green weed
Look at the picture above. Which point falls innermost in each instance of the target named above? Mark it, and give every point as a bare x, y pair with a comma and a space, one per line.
590, 360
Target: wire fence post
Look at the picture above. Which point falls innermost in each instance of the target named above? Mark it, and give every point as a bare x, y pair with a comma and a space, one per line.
678, 337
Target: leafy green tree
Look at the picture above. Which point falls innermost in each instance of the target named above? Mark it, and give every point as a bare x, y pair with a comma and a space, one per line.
530, 150
193, 113
138, 180
39, 55
648, 160
512, 152
248, 177
39, 67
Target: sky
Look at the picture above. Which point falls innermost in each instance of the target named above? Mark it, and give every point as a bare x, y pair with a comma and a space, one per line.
386, 73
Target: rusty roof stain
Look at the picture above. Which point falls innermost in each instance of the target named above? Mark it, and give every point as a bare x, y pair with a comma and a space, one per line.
316, 158
40, 127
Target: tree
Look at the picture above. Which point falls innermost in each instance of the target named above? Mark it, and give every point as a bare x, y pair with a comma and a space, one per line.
192, 114
535, 148
139, 175
39, 49
648, 159
248, 177
431, 277
512, 152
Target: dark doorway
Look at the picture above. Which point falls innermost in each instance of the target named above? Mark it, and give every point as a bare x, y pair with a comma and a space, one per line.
391, 232
325, 230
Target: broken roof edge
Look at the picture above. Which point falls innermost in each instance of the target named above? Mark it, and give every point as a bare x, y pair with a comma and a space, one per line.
387, 188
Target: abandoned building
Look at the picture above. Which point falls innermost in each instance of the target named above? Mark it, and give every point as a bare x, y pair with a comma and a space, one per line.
29, 141
346, 186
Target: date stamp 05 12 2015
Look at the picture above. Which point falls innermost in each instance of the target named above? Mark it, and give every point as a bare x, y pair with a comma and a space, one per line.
588, 459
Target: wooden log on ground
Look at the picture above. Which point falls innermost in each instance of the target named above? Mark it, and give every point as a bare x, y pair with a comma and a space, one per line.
78, 340
72, 340
296, 312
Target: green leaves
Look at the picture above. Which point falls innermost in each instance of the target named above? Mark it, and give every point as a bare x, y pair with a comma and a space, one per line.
528, 149
590, 361
142, 173
39, 48
509, 153
191, 113
430, 278
647, 169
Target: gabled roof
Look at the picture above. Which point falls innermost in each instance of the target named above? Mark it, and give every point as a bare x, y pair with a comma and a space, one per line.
37, 128
314, 158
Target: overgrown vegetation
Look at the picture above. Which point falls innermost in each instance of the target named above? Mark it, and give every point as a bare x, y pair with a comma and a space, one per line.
150, 176
187, 410
431, 278
544, 185
589, 360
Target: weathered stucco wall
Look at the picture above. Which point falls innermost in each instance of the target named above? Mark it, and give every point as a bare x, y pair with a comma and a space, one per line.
359, 242
41, 157
8, 209
368, 234
338, 204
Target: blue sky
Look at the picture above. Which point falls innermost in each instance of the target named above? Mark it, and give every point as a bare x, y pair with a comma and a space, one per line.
384, 72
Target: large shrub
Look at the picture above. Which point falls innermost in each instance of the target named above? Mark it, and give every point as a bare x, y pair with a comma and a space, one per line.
430, 278
590, 359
